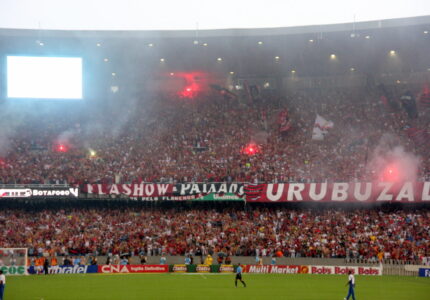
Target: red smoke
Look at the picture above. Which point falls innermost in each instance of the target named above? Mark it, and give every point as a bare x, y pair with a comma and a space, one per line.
61, 148
391, 173
193, 83
251, 149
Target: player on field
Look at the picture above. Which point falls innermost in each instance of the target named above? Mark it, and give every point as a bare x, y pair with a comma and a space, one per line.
2, 284
239, 275
351, 283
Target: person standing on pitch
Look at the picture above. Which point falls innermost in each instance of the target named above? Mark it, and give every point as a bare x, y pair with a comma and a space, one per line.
46, 266
239, 275
2, 284
351, 283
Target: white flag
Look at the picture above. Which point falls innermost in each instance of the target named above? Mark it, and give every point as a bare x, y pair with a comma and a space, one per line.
321, 128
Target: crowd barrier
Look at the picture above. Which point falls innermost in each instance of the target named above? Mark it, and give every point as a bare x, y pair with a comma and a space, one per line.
202, 268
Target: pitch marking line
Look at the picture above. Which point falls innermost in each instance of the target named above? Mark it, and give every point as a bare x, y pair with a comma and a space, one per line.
205, 274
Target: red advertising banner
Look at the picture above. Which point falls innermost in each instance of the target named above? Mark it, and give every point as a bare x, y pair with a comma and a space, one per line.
131, 190
360, 192
342, 270
276, 269
133, 269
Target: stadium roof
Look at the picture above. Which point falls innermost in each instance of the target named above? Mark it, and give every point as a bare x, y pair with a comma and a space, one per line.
198, 14
357, 26
129, 57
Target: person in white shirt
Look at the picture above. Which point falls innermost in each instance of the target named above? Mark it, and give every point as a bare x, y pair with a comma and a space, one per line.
2, 284
351, 283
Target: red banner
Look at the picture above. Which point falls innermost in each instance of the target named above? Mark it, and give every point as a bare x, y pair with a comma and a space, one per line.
276, 269
343, 270
133, 269
327, 270
339, 192
359, 192
131, 190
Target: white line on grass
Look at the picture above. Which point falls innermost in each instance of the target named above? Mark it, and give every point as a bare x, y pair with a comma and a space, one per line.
193, 274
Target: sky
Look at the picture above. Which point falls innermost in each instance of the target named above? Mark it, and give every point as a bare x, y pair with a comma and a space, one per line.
198, 14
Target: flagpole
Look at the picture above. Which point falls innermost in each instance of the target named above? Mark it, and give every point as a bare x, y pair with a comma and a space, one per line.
367, 152
244, 202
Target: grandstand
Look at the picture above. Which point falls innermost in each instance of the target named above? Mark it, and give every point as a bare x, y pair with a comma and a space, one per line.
289, 150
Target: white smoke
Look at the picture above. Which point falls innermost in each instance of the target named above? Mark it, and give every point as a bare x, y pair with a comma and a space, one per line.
390, 155
10, 120
66, 136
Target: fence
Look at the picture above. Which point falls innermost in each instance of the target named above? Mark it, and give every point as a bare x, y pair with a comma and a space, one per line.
295, 265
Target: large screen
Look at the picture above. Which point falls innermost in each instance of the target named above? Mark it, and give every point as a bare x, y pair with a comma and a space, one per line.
44, 77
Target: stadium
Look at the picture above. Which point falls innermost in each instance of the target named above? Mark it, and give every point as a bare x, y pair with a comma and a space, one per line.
291, 156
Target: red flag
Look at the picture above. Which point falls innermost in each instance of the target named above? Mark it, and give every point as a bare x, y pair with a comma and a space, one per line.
284, 121
283, 115
425, 95
384, 101
420, 136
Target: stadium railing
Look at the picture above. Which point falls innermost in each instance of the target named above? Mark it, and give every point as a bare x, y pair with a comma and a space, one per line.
22, 186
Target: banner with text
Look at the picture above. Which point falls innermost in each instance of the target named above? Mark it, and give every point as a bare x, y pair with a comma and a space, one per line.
77, 269
133, 269
364, 192
203, 269
424, 272
182, 268
343, 270
42, 192
13, 270
339, 192
131, 190
226, 269
277, 269
170, 192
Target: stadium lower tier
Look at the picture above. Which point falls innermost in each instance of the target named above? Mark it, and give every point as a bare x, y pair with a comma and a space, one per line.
251, 231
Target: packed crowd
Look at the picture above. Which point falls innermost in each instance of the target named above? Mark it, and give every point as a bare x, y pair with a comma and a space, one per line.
205, 139
366, 234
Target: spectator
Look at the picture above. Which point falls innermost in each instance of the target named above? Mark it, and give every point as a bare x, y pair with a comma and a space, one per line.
357, 234
163, 259
208, 260
205, 141
273, 260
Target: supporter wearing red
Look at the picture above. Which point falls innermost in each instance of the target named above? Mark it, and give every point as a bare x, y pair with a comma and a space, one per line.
358, 234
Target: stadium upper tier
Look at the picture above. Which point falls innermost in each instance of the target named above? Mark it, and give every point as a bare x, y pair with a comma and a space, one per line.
213, 138
225, 106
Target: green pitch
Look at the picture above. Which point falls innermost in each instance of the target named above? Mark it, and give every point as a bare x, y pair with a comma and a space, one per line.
180, 286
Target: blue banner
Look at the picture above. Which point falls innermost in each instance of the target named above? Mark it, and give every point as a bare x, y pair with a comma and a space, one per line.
424, 272
78, 269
